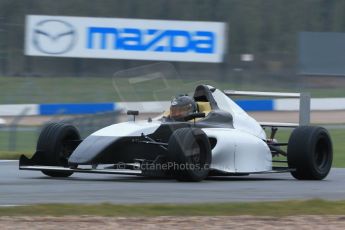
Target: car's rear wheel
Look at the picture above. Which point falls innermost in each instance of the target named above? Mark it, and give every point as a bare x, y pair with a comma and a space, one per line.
55, 145
190, 151
310, 153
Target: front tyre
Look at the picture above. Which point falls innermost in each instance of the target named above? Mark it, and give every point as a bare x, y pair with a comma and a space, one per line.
310, 152
190, 151
55, 144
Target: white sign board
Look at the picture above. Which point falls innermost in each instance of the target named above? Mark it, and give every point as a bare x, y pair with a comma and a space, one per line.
119, 38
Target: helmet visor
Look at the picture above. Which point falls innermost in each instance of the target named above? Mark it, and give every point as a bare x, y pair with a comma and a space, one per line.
180, 111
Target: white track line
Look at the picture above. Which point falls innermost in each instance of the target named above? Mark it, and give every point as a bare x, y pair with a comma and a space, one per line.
10, 205
5, 161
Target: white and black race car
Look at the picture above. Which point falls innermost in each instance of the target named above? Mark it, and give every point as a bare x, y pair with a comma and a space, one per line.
218, 139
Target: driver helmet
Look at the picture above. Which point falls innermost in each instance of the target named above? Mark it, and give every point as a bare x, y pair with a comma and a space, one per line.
181, 107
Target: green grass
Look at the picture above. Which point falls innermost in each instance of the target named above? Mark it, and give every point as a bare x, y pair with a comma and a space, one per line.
281, 208
338, 138
22, 142
14, 155
72, 89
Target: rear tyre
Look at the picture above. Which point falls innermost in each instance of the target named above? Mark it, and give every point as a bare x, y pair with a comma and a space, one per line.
310, 152
55, 146
190, 151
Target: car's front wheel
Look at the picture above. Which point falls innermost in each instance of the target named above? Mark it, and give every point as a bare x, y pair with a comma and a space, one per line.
310, 153
190, 151
55, 145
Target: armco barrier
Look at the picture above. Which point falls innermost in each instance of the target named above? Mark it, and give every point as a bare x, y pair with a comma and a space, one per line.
315, 104
256, 105
80, 108
160, 106
17, 109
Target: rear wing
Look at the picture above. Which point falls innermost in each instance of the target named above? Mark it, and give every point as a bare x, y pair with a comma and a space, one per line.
304, 105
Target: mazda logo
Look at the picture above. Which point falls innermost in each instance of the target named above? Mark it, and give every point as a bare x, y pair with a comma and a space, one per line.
54, 36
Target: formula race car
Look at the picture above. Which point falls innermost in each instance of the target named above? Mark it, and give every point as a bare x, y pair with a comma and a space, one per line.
216, 137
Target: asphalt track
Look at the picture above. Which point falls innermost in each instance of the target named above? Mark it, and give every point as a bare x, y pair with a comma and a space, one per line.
29, 187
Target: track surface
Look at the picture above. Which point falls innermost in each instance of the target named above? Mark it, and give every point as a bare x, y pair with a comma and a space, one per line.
28, 187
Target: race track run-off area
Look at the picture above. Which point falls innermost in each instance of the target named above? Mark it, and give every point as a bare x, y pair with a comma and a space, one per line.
31, 187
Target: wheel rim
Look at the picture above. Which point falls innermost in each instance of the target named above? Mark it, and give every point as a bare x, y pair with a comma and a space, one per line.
195, 153
64, 154
197, 156
202, 159
322, 153
66, 150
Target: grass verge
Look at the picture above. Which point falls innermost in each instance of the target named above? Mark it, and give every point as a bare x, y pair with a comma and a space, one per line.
6, 155
12, 145
16, 90
279, 208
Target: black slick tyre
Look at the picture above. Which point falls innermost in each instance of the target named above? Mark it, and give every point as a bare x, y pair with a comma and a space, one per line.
53, 144
190, 151
310, 152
